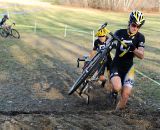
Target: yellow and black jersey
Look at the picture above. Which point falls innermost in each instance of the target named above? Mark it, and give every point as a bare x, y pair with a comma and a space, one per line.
138, 40
98, 45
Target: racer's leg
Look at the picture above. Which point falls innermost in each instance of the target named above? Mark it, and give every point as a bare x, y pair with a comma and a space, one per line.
115, 78
116, 87
116, 83
102, 77
124, 97
127, 88
6, 29
109, 84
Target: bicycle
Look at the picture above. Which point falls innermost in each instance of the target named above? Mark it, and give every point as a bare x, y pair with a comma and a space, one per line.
9, 31
89, 71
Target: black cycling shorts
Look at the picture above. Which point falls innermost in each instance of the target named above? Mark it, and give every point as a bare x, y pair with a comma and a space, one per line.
126, 75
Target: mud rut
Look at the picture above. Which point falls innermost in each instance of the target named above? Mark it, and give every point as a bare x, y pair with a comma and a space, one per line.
37, 99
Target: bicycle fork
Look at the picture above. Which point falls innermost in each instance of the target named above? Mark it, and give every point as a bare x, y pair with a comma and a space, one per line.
85, 90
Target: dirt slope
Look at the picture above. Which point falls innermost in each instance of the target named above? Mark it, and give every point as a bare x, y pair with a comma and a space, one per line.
34, 95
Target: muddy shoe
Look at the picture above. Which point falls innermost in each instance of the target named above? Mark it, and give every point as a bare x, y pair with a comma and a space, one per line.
113, 98
118, 112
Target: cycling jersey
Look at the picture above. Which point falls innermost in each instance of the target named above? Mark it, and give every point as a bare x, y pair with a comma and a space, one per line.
138, 40
98, 45
122, 65
3, 21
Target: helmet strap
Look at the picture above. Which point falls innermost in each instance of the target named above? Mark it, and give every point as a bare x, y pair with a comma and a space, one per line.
129, 32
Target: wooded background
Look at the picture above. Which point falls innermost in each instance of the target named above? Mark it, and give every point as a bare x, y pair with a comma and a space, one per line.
123, 5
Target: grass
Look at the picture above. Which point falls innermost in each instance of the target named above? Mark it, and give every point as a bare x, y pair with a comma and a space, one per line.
51, 21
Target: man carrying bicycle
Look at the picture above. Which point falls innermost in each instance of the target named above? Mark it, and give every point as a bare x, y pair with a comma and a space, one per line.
122, 68
99, 44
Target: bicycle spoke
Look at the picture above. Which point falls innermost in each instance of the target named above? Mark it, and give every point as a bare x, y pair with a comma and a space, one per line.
15, 33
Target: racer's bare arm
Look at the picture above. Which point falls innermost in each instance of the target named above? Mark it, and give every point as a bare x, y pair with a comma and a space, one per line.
92, 54
139, 52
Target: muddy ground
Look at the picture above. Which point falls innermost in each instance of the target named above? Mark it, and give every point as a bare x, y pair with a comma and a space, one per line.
35, 96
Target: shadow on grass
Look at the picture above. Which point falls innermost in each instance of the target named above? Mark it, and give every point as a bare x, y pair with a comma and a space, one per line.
41, 82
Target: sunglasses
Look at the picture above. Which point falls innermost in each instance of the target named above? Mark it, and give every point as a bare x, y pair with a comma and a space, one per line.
101, 36
135, 25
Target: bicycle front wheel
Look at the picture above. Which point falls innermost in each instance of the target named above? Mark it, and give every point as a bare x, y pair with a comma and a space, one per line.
15, 33
85, 74
78, 82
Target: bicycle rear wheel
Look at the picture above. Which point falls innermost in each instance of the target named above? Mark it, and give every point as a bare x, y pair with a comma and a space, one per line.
15, 33
3, 33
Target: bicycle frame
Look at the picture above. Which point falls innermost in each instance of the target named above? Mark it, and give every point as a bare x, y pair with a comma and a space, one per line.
10, 27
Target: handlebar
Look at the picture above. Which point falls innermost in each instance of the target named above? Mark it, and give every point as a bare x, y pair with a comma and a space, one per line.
85, 59
13, 24
78, 60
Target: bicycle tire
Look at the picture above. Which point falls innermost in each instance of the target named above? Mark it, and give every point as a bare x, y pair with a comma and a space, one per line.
15, 33
90, 69
3, 33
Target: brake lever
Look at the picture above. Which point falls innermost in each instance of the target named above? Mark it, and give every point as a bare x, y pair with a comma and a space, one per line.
78, 63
